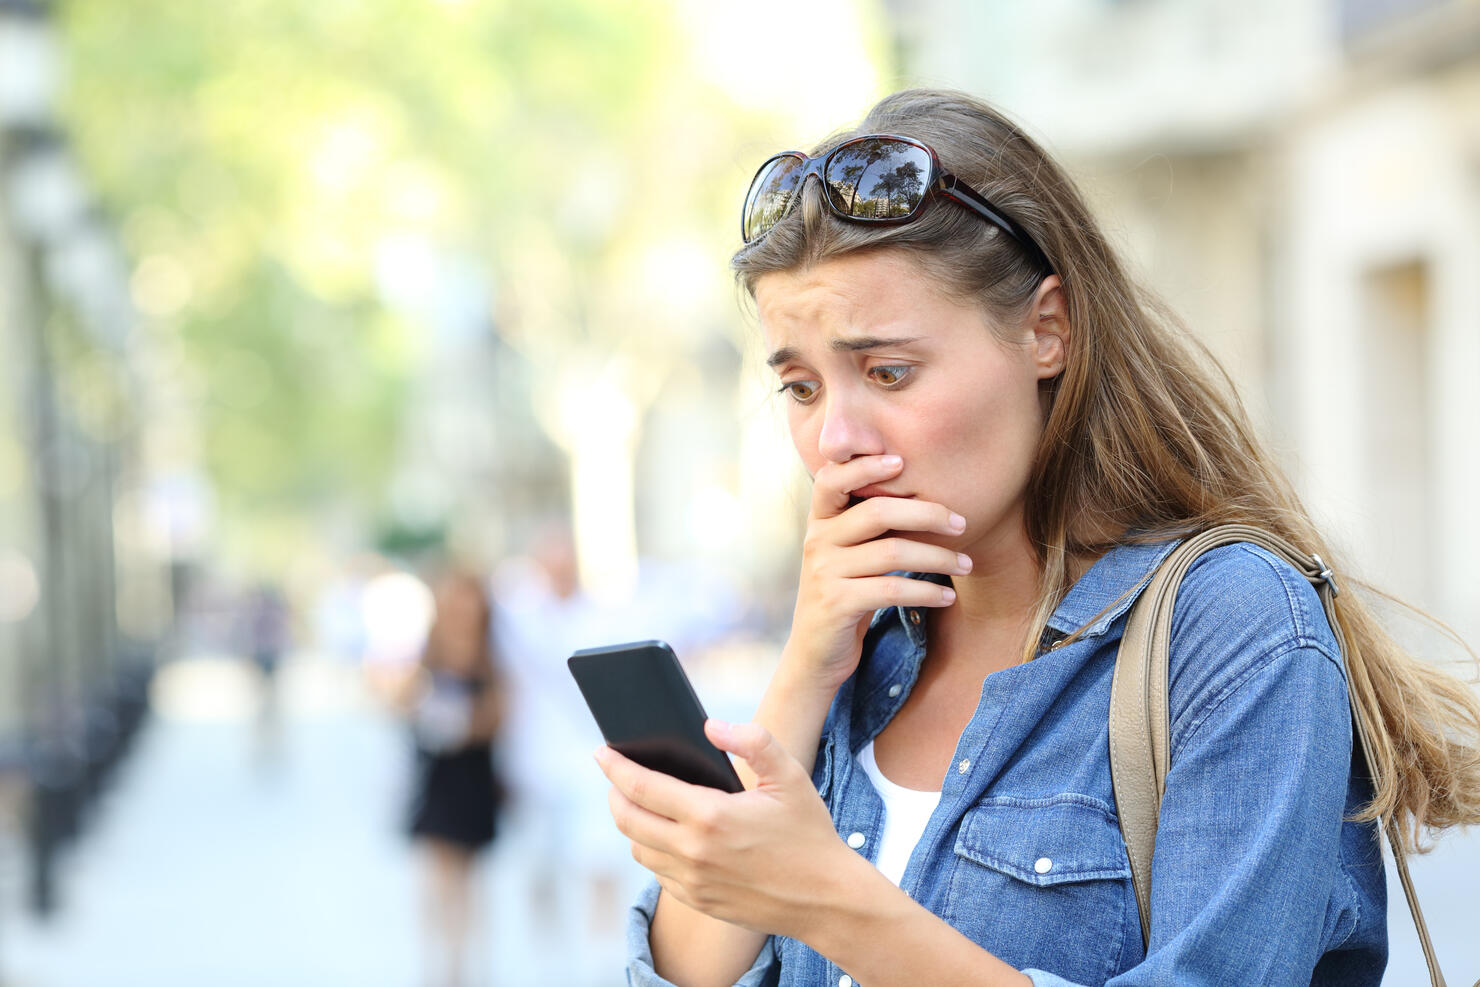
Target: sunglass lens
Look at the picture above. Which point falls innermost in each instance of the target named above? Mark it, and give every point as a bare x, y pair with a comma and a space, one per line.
877, 179
771, 193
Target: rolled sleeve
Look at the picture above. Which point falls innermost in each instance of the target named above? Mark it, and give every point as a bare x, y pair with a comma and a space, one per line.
640, 972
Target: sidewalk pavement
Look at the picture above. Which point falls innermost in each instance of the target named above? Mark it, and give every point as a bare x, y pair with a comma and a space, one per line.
225, 856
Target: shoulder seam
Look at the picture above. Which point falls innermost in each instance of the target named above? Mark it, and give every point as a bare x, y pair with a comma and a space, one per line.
1304, 634
1223, 695
1281, 572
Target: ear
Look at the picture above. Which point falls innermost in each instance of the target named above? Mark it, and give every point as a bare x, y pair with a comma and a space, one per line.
1048, 318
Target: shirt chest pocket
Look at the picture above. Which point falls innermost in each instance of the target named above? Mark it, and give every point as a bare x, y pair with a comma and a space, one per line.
1044, 883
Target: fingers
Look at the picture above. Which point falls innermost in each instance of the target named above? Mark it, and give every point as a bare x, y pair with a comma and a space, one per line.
670, 849
864, 595
654, 791
865, 524
882, 592
642, 826
755, 744
873, 517
835, 481
656, 840
898, 555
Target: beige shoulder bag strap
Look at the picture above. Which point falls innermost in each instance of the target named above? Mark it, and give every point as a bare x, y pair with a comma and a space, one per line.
1139, 722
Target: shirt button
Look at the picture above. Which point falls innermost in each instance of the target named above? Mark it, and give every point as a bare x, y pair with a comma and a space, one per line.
964, 766
895, 690
856, 840
914, 616
1043, 865
845, 981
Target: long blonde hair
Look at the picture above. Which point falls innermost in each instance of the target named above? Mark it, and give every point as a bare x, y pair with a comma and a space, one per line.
1145, 437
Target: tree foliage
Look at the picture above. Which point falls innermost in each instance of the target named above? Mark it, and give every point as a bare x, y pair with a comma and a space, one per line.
256, 154
259, 156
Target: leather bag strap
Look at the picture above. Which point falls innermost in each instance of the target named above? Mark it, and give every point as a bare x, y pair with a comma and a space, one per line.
1140, 722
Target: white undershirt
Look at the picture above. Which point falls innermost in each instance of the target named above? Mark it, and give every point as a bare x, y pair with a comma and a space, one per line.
906, 814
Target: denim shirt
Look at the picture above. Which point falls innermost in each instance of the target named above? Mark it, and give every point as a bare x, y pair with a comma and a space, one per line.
1257, 878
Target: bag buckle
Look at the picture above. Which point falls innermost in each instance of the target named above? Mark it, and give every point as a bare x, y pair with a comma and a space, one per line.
1325, 575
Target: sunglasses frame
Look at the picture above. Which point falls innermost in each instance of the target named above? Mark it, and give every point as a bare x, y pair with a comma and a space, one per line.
939, 182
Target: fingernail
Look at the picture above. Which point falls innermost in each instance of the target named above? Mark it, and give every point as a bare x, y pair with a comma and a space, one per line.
963, 562
957, 522
720, 728
947, 595
892, 461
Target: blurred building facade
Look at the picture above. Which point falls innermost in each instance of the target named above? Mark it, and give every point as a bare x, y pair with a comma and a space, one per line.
1301, 181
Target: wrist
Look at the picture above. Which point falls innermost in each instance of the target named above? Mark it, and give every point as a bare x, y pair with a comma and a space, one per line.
879, 934
794, 709
857, 897
808, 673
800, 690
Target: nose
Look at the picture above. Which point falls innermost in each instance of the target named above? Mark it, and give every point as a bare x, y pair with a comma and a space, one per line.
847, 431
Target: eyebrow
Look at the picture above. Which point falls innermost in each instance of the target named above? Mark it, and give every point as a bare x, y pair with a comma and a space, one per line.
853, 345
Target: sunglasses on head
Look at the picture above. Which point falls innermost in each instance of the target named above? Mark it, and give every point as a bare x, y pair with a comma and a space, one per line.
879, 178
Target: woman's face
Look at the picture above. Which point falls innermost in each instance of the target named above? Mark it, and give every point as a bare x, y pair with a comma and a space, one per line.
874, 358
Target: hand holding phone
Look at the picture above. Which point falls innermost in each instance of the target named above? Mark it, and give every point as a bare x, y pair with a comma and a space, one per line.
647, 711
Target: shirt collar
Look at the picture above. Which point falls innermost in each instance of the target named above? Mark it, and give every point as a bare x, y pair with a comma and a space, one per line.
912, 619
1109, 588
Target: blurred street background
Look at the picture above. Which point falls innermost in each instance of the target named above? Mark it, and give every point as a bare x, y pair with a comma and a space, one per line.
303, 303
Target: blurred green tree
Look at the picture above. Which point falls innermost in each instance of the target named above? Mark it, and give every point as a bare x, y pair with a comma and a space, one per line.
262, 157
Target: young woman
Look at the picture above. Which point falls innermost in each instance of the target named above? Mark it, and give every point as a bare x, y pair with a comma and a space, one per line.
455, 703
1006, 437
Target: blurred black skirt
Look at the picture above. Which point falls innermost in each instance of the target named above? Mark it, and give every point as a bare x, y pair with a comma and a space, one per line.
455, 797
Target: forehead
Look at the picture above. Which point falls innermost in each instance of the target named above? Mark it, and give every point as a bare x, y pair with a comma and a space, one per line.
855, 294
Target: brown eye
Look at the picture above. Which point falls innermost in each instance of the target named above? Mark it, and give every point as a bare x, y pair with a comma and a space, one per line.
800, 391
889, 376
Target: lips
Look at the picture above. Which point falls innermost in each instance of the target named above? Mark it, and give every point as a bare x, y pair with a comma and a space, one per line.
872, 490
864, 493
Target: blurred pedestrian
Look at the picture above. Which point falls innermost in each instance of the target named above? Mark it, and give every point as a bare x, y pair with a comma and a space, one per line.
455, 703
267, 634
573, 872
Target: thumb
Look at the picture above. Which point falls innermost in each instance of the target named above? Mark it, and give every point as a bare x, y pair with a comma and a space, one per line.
754, 744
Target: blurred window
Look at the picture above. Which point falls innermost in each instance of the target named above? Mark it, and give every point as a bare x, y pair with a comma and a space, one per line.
1361, 18
1399, 409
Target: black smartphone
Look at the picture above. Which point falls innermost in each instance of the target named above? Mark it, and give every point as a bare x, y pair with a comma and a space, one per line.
647, 710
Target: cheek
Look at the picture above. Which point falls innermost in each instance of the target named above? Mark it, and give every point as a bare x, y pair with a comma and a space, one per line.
997, 429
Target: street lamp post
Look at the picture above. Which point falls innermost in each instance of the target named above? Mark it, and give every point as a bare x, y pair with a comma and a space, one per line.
55, 771
41, 192
83, 697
